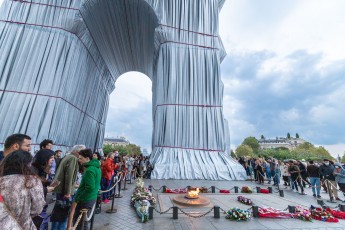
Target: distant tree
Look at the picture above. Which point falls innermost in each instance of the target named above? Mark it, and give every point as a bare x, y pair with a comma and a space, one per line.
343, 159
244, 150
108, 148
262, 137
253, 143
297, 135
288, 136
233, 154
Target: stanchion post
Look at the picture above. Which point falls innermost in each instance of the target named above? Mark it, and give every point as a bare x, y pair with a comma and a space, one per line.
258, 189
150, 188
92, 220
213, 189
216, 210
125, 181
164, 188
189, 187
175, 213
342, 207
236, 189
270, 190
112, 210
150, 213
130, 177
281, 193
255, 211
292, 209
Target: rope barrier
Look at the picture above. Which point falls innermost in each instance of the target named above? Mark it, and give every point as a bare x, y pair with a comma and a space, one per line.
78, 220
115, 179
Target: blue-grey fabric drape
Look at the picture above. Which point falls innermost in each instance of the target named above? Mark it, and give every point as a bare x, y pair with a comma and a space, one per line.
59, 61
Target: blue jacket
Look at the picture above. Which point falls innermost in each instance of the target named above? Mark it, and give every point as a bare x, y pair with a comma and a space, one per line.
340, 177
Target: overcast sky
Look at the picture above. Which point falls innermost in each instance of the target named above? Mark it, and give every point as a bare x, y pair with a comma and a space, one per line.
284, 72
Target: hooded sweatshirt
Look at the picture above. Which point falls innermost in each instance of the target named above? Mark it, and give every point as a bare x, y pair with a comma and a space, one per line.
340, 177
90, 182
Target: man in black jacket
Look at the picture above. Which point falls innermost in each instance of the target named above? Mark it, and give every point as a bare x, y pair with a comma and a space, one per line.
326, 171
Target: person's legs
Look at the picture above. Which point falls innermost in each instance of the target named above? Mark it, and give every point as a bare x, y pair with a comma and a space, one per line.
318, 186
313, 184
334, 189
268, 175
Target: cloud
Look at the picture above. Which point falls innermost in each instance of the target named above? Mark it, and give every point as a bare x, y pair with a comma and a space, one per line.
130, 110
274, 94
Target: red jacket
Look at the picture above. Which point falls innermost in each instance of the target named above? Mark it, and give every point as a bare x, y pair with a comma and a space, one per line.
108, 168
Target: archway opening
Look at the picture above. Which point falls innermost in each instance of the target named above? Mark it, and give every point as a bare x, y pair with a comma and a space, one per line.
130, 110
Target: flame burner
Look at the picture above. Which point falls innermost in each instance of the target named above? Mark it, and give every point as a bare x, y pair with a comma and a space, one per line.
192, 199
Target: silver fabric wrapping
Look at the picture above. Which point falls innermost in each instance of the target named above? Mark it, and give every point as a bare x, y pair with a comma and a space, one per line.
59, 61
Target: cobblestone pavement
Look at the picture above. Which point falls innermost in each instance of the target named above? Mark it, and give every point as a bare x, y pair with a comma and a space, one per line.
126, 218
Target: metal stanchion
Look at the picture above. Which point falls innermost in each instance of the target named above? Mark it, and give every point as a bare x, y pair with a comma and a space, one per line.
213, 189
164, 188
342, 207
270, 190
175, 213
150, 188
125, 181
258, 189
255, 211
216, 212
150, 213
281, 193
292, 209
112, 210
92, 220
236, 189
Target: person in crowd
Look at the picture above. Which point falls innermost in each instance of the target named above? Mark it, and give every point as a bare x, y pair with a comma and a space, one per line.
339, 174
254, 165
108, 168
41, 167
295, 175
313, 172
274, 168
66, 174
260, 171
266, 166
304, 174
326, 171
21, 189
46, 144
86, 194
97, 155
129, 163
16, 142
285, 173
57, 160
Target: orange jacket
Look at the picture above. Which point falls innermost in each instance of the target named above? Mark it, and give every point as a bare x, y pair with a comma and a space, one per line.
108, 168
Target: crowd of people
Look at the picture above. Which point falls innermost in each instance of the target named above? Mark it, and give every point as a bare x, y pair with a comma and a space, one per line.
297, 174
75, 179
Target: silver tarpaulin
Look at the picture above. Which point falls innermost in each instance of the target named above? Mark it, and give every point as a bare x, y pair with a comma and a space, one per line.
59, 61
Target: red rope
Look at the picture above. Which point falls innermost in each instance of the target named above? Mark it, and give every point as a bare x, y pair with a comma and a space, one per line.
174, 147
210, 35
207, 106
46, 95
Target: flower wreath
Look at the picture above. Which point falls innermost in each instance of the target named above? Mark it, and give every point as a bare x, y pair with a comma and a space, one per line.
302, 214
322, 214
246, 189
237, 214
273, 213
244, 200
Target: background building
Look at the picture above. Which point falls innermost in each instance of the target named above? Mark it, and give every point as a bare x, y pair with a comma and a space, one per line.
118, 141
279, 142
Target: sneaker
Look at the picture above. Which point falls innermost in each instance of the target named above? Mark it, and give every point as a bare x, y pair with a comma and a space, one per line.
318, 196
106, 201
314, 195
338, 199
303, 193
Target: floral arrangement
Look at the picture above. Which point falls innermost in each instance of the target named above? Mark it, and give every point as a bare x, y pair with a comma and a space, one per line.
176, 191
322, 214
244, 200
302, 214
142, 199
264, 190
336, 213
246, 189
238, 214
274, 213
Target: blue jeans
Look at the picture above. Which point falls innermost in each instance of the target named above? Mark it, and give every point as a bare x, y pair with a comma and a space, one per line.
59, 225
315, 181
268, 174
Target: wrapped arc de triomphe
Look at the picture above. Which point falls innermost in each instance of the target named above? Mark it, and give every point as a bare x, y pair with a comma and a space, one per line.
59, 61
